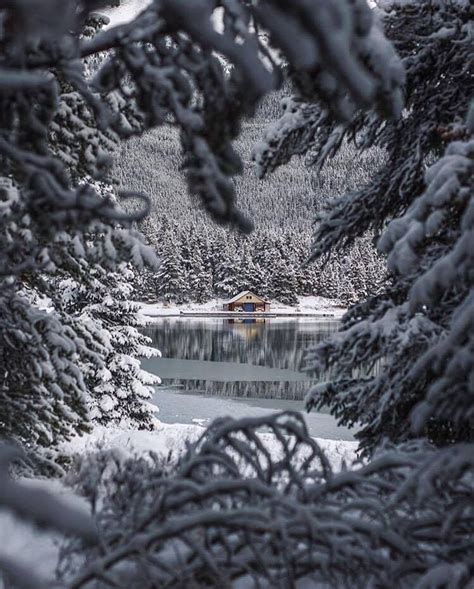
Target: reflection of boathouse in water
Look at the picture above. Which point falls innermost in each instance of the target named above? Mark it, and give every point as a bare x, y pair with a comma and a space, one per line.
247, 302
248, 328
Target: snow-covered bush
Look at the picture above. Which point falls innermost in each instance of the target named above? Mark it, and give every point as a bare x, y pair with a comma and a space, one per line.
230, 514
37, 507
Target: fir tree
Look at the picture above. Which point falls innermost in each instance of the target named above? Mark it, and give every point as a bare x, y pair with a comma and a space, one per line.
250, 277
119, 391
283, 283
226, 279
170, 279
199, 279
418, 310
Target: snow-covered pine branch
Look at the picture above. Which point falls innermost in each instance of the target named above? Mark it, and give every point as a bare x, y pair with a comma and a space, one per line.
417, 330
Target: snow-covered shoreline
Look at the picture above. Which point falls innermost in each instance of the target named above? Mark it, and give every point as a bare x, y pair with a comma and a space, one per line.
310, 306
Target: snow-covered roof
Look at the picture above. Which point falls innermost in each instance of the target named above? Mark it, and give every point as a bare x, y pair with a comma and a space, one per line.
242, 294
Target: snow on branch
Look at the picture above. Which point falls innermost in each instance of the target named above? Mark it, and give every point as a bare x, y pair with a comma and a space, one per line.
163, 69
434, 47
401, 364
419, 239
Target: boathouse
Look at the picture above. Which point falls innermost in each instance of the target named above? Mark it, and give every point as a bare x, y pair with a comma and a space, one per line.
248, 302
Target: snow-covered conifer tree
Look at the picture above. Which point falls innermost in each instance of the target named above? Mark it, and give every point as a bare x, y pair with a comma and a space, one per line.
171, 279
225, 279
42, 389
250, 275
199, 278
400, 329
282, 282
119, 391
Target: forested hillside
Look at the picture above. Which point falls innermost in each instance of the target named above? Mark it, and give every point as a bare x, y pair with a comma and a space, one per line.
200, 260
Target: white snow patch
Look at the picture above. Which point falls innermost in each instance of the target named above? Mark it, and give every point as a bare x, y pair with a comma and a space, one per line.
124, 13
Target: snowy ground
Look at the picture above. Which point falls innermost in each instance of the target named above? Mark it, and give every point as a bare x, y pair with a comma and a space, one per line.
314, 306
173, 437
40, 550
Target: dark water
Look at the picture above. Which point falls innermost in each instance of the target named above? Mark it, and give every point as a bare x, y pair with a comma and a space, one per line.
213, 367
252, 358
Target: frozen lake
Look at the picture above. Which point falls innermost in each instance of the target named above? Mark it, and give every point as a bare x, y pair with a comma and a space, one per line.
215, 366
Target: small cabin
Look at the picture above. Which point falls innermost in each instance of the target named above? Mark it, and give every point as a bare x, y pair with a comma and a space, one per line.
248, 302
